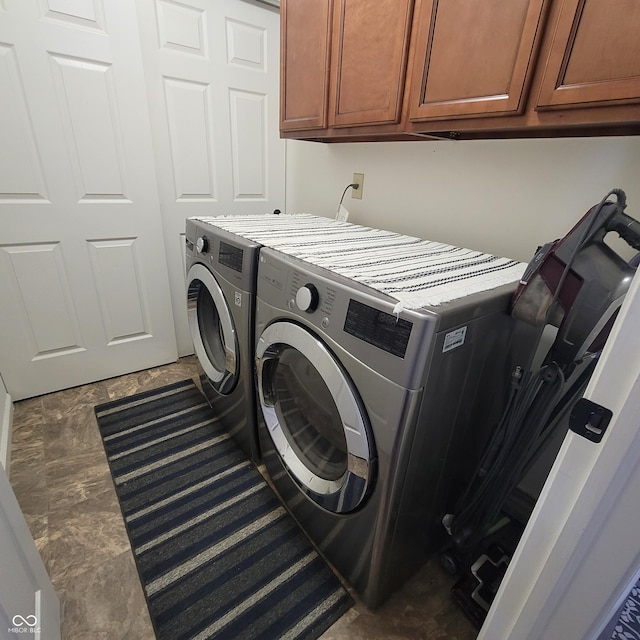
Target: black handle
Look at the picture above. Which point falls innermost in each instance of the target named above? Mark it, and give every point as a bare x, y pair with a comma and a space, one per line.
627, 228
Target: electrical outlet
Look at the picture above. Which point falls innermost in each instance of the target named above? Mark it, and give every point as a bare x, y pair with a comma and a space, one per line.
358, 178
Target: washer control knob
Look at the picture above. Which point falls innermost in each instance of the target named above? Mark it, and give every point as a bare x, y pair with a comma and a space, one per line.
307, 298
202, 244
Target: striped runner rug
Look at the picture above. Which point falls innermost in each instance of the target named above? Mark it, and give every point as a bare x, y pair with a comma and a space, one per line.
217, 554
627, 626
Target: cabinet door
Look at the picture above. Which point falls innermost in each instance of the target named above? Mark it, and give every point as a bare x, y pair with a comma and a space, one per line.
305, 28
473, 57
371, 43
595, 54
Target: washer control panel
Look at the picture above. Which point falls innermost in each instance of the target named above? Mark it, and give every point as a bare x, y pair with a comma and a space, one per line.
230, 256
381, 329
356, 323
365, 322
311, 296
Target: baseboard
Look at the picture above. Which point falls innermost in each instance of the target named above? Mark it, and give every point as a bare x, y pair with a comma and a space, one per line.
6, 423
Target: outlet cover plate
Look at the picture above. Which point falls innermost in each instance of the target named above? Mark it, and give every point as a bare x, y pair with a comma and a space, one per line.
358, 178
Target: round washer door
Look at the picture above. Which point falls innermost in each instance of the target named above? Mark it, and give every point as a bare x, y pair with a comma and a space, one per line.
315, 417
212, 329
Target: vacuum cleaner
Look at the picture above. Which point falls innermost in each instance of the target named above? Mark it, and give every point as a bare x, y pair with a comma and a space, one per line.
577, 285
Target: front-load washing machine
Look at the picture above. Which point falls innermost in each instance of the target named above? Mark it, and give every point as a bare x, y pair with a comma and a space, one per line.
372, 417
221, 281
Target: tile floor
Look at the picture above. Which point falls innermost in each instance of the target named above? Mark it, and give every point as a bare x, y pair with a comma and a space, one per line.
60, 475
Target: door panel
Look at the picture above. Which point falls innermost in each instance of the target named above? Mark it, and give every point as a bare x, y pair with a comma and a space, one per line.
213, 86
189, 124
370, 49
21, 172
83, 274
248, 127
41, 290
473, 58
89, 113
180, 27
87, 13
595, 55
306, 47
115, 269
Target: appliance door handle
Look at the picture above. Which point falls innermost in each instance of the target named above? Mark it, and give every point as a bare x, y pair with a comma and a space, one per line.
264, 367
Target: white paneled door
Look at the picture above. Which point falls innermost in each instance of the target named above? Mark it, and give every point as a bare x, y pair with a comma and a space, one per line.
83, 276
212, 70
29, 607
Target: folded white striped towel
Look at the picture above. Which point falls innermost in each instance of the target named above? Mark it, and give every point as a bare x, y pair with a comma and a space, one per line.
415, 272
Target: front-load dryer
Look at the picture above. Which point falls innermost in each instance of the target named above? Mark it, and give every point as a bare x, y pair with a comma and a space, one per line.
221, 280
372, 417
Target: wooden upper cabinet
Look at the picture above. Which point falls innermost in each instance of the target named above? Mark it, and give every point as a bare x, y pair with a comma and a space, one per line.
594, 56
473, 57
385, 69
369, 57
305, 32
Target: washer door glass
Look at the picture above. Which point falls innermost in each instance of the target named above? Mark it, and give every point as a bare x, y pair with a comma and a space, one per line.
315, 418
212, 329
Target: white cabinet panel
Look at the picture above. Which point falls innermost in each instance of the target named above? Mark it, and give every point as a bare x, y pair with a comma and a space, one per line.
248, 135
21, 177
120, 291
190, 130
43, 304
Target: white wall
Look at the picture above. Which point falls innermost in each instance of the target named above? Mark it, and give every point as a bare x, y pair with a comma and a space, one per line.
504, 197
500, 196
